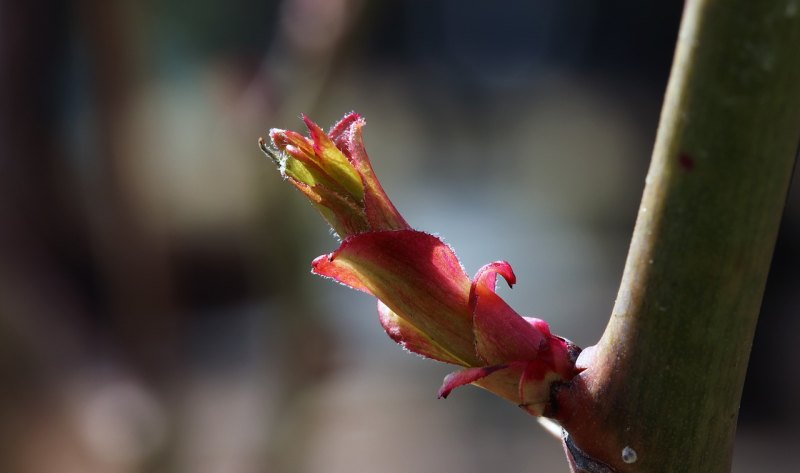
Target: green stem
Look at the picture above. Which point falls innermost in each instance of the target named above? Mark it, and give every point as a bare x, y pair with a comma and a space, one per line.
665, 379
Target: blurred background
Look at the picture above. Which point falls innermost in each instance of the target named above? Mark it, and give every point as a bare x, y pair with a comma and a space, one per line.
156, 308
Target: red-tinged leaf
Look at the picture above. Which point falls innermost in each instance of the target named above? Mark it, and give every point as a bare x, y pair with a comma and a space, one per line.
342, 214
334, 162
466, 376
307, 170
539, 324
307, 190
417, 276
412, 339
324, 266
348, 218
301, 163
340, 131
283, 138
501, 335
381, 212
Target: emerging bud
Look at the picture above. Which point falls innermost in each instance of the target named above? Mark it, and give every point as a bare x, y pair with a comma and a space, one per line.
426, 302
334, 172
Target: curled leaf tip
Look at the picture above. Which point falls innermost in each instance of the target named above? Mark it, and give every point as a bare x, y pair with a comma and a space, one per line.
487, 275
485, 280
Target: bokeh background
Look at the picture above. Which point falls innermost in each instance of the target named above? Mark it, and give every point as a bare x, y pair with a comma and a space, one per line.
156, 310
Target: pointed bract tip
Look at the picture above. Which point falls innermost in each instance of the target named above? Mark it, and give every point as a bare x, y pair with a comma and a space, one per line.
486, 279
311, 125
342, 125
489, 272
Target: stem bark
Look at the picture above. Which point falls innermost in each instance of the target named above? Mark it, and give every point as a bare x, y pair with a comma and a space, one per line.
665, 380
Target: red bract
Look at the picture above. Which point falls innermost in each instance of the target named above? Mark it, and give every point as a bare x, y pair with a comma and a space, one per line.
426, 302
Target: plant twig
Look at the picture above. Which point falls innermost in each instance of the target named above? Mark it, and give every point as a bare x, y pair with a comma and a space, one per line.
665, 380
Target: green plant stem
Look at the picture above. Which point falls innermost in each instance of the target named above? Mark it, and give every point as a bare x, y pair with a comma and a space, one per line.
667, 375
